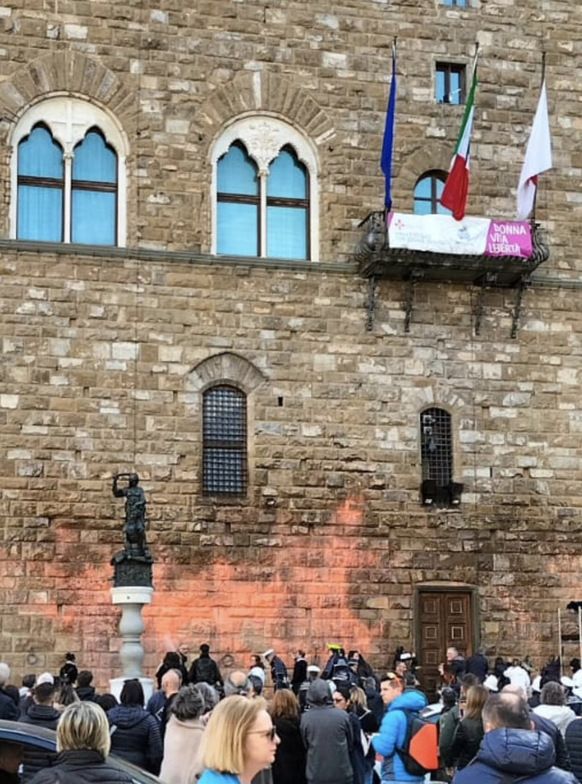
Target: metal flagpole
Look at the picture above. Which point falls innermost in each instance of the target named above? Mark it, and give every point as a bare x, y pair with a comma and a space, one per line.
580, 631
560, 638
535, 199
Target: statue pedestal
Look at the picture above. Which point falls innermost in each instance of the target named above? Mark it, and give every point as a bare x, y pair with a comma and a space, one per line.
131, 598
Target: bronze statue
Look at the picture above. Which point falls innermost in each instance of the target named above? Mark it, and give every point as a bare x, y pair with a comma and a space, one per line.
134, 527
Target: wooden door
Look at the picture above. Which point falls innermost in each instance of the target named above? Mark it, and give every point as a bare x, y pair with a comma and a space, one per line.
445, 621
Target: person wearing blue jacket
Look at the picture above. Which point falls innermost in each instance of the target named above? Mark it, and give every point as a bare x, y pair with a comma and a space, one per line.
393, 728
511, 751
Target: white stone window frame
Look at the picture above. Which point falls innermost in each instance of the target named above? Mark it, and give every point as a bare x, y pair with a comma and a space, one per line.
264, 137
69, 118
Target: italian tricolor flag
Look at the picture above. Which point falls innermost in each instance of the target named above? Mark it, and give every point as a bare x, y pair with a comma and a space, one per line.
454, 195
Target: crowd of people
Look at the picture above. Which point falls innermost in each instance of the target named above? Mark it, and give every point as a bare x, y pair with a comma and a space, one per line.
340, 724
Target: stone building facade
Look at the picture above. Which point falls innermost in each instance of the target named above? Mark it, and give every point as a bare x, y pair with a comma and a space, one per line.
107, 351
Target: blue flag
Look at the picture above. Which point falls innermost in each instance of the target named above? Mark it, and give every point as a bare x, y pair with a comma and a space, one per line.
388, 143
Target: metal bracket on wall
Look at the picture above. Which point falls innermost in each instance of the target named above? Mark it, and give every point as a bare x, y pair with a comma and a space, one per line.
371, 304
415, 276
524, 283
488, 280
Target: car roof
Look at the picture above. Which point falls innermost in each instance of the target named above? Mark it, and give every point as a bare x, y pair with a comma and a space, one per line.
43, 738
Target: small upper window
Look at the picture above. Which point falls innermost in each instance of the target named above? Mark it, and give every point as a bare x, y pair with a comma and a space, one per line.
224, 441
68, 174
427, 194
450, 83
456, 3
265, 199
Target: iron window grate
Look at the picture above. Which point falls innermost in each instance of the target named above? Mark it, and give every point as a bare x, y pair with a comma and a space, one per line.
224, 435
436, 446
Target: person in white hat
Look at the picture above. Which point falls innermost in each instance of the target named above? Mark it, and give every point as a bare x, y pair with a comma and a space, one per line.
491, 683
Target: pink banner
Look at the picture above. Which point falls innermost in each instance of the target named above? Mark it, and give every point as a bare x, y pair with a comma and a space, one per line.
509, 238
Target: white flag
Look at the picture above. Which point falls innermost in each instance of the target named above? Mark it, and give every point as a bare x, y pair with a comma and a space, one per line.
538, 157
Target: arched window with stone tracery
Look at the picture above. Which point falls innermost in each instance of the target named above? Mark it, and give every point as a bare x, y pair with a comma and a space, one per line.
265, 200
68, 174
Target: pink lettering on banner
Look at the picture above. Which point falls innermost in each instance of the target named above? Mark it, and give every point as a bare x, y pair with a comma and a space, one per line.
509, 238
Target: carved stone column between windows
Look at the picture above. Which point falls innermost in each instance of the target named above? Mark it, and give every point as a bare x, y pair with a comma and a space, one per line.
263, 174
68, 161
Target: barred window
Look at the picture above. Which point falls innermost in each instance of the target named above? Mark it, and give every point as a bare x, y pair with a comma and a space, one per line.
224, 434
436, 446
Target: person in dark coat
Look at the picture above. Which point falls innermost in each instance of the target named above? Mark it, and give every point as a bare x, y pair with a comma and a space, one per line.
478, 665
448, 720
361, 667
291, 757
368, 726
204, 669
456, 662
83, 744
85, 691
135, 734
574, 746
510, 750
172, 661
545, 725
341, 700
68, 672
278, 670
8, 710
328, 736
469, 731
41, 714
299, 672
11, 755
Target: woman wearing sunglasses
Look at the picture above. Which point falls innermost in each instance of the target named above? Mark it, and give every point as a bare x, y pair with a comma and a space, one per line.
239, 742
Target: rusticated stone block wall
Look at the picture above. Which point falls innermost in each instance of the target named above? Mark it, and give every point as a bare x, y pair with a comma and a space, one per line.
101, 372
101, 356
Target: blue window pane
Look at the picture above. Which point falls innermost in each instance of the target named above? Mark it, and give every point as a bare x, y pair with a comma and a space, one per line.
287, 177
237, 229
440, 87
237, 173
455, 94
442, 210
93, 217
422, 207
40, 214
40, 156
286, 232
94, 160
422, 188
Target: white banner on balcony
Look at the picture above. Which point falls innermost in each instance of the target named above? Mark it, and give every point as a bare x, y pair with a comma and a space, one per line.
469, 237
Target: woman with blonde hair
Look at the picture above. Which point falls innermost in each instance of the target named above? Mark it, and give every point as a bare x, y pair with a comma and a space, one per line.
469, 732
83, 744
239, 742
289, 765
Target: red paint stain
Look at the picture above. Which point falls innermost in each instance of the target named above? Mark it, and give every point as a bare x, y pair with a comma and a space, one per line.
301, 594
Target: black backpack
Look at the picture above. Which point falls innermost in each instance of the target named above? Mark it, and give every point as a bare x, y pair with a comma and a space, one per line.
205, 672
